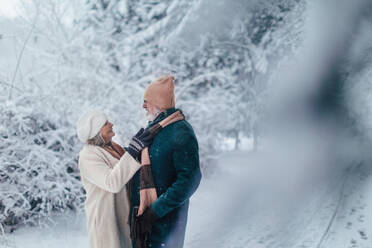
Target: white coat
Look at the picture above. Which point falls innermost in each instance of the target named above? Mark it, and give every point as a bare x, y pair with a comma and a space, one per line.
107, 206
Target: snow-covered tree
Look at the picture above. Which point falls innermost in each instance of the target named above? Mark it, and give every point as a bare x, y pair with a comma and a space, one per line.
101, 55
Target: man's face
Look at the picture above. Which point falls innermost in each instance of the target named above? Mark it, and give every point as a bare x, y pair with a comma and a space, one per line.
151, 111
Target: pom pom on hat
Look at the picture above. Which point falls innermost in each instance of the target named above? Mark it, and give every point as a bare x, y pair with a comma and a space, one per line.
90, 124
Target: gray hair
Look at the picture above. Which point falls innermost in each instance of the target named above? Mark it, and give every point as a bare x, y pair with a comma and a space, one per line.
97, 140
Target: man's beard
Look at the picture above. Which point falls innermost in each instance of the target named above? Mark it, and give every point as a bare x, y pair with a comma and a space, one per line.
152, 117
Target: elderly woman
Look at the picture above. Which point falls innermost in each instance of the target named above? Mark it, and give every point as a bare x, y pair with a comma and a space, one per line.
105, 168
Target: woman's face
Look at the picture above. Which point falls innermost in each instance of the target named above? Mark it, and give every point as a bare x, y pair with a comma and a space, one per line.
107, 132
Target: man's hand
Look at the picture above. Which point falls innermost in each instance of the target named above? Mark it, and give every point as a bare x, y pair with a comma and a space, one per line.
141, 226
135, 234
146, 221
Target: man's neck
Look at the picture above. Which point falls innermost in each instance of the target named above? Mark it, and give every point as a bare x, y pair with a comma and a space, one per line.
163, 114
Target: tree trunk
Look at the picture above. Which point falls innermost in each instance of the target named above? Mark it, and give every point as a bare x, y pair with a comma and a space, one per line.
237, 140
255, 139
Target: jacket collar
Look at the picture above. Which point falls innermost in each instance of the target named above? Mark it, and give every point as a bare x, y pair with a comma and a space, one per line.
162, 116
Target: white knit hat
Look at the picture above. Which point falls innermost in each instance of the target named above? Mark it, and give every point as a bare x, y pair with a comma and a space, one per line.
90, 124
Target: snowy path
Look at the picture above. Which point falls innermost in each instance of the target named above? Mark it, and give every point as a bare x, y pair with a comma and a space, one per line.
226, 212
337, 214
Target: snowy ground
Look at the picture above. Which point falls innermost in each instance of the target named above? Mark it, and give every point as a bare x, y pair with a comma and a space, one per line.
227, 212
336, 214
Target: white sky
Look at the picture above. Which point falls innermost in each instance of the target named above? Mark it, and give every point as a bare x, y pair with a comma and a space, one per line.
8, 8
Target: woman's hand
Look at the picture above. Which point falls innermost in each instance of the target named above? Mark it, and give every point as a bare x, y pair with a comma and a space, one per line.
155, 129
142, 139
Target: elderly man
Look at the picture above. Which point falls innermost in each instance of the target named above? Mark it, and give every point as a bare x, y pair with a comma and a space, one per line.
175, 168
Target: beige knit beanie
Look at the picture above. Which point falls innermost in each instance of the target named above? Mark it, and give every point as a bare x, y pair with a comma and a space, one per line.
161, 92
90, 124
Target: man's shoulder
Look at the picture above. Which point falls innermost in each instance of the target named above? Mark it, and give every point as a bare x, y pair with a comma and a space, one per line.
182, 133
182, 126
